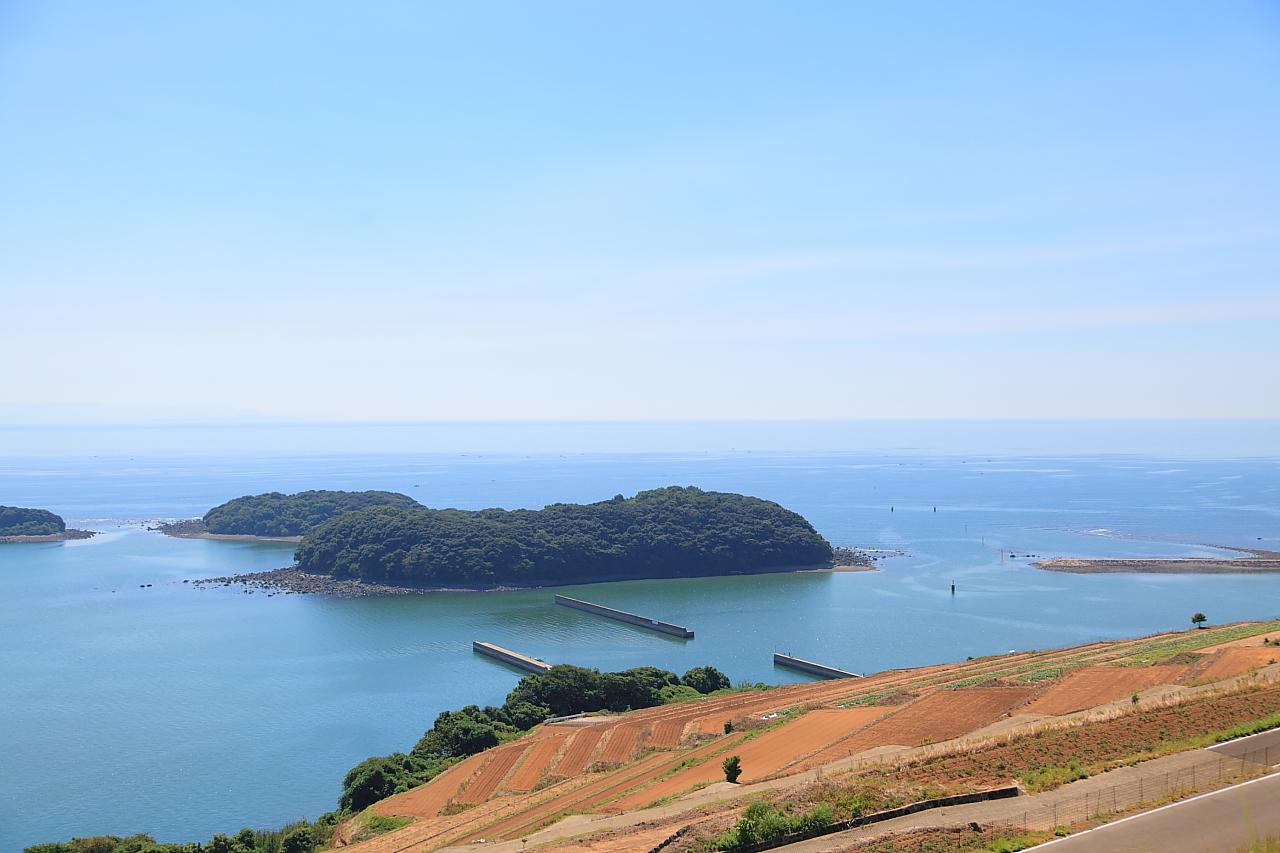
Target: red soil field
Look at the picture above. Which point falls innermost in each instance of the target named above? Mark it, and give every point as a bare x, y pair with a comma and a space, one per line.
621, 743
713, 723
1090, 686
427, 800
1238, 659
1097, 741
939, 716
581, 745
578, 800
666, 733
483, 786
536, 762
764, 755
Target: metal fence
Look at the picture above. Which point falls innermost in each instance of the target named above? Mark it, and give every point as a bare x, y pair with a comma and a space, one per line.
1070, 805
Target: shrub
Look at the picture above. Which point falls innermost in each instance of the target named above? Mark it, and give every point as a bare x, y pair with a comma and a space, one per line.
678, 693
705, 679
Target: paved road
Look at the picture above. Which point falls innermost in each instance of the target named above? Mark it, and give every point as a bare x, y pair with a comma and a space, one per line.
1259, 748
1122, 788
1225, 820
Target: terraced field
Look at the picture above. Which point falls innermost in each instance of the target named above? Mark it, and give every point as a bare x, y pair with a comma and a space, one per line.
536, 763
1238, 660
1091, 686
581, 746
659, 754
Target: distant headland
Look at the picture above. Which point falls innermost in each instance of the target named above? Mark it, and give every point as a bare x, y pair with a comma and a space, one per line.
1255, 561
25, 524
387, 543
279, 517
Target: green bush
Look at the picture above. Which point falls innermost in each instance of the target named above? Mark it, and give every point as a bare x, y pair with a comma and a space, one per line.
678, 693
705, 679
380, 777
762, 822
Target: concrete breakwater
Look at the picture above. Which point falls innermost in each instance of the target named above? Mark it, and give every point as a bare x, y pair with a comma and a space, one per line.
779, 659
529, 664
623, 616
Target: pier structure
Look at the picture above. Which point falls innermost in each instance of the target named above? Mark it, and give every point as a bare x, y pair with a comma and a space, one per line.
779, 659
528, 664
623, 616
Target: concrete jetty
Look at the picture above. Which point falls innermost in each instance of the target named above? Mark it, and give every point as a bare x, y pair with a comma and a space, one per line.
507, 656
624, 616
779, 659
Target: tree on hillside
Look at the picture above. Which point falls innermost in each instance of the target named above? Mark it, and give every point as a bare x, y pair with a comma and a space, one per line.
732, 768
299, 840
1198, 619
705, 679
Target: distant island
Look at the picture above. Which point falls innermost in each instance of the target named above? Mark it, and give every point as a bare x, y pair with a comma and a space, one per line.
664, 533
388, 544
24, 524
279, 516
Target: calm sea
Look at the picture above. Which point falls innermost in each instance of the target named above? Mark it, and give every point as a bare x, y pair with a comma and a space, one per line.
184, 712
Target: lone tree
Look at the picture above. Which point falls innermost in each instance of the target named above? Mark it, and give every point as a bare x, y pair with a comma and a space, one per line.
732, 768
1198, 619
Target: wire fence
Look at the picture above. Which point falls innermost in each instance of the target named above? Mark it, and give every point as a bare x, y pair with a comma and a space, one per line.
1070, 805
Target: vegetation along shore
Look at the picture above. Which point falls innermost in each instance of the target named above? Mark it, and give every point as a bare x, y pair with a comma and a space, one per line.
25, 524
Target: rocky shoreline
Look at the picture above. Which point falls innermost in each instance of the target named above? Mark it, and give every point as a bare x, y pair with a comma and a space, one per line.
292, 580
65, 536
858, 560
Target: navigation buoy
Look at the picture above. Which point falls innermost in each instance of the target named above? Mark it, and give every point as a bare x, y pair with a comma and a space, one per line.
953, 588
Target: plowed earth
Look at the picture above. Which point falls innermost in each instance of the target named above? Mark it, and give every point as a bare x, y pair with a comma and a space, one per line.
764, 755
535, 764
822, 722
486, 782
1235, 661
578, 753
1091, 686
621, 743
939, 716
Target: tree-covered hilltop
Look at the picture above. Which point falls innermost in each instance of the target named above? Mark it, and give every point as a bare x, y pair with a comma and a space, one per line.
21, 521
276, 514
664, 533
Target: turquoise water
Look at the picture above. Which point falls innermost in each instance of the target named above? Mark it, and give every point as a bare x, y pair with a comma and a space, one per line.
184, 712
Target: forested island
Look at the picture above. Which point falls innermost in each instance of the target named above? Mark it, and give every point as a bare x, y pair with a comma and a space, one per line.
25, 524
277, 516
662, 533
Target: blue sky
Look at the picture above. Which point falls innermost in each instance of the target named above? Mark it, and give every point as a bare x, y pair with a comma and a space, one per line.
492, 211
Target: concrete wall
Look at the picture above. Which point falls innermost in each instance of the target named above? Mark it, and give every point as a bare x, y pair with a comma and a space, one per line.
507, 656
623, 616
810, 667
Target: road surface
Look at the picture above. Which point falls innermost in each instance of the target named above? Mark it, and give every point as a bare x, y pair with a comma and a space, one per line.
1225, 820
